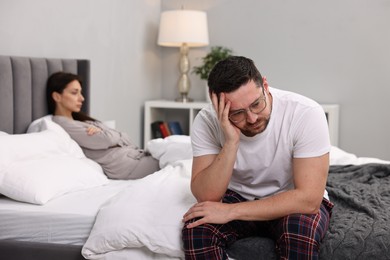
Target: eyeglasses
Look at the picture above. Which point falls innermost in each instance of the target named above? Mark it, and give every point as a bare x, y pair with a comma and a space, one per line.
256, 108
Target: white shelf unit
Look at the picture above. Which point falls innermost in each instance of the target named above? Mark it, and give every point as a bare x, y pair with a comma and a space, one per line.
165, 110
332, 114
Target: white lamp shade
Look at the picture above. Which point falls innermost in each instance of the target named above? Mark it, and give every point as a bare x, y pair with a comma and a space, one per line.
183, 26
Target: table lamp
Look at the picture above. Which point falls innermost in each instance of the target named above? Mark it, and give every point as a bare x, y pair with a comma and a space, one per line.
184, 29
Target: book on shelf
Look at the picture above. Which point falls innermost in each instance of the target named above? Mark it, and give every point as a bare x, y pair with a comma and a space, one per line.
156, 132
175, 128
162, 129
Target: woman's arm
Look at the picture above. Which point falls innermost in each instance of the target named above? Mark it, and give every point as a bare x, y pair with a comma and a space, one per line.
90, 136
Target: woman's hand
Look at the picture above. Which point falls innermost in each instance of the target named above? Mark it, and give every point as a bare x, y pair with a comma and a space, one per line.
208, 212
91, 130
222, 107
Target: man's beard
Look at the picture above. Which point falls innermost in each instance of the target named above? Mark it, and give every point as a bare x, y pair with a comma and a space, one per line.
258, 127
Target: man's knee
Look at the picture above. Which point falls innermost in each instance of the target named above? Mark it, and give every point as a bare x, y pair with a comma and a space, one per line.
300, 237
199, 235
203, 242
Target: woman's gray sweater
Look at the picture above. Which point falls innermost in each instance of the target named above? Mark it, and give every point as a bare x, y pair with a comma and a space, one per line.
110, 148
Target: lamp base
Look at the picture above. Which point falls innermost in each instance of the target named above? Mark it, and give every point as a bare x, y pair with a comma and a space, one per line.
184, 99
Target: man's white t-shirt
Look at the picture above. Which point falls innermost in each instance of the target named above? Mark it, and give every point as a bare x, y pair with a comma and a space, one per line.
297, 129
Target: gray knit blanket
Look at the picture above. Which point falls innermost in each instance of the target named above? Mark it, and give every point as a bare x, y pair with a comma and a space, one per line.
360, 223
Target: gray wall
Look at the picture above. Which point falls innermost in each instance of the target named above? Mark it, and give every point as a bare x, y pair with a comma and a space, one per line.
332, 51
118, 36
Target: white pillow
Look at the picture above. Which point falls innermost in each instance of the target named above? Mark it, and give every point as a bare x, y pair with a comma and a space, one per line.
340, 157
38, 124
37, 167
170, 149
39, 180
43, 144
3, 133
46, 123
149, 214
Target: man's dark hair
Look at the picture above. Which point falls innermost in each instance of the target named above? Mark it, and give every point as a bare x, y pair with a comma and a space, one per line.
231, 73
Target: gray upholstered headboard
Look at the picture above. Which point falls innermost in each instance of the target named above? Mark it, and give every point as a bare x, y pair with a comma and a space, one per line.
23, 88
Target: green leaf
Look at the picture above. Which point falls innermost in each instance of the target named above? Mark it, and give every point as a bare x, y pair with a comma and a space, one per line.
216, 54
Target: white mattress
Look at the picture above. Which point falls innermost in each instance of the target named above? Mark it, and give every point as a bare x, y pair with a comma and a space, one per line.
64, 220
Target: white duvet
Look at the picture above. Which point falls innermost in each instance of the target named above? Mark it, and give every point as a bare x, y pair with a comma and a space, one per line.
147, 215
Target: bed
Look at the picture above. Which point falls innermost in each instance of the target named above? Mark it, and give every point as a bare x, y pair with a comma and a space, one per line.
106, 219
22, 100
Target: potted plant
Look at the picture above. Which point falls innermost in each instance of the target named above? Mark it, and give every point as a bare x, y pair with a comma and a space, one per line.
216, 54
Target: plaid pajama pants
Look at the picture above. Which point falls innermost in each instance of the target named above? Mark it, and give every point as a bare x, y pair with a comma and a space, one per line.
297, 236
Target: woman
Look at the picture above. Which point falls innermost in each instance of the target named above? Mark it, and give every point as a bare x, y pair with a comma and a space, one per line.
119, 158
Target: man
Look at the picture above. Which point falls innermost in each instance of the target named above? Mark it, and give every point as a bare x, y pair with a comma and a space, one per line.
261, 159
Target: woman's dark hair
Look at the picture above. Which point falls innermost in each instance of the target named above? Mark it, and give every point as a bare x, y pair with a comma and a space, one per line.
231, 73
57, 82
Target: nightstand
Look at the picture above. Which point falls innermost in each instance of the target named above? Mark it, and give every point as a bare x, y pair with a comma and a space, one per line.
165, 110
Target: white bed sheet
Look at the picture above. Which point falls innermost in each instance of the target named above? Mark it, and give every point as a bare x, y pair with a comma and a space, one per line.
65, 220
141, 253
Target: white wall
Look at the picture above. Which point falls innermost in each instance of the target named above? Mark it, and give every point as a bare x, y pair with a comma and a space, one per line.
118, 36
332, 51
